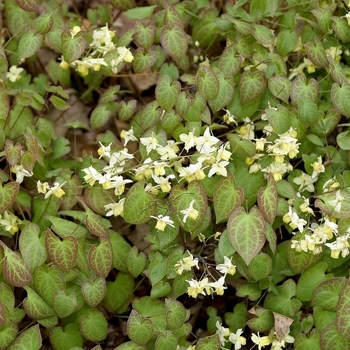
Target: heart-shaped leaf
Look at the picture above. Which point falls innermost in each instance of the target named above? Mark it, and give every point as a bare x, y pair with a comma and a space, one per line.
140, 330
93, 325
30, 339
339, 95
67, 338
8, 195
73, 46
64, 303
268, 200
251, 85
176, 314
174, 41
35, 306
101, 258
94, 291
62, 253
136, 261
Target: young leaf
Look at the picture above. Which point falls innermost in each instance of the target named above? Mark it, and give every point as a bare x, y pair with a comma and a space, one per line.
30, 339
139, 329
59, 103
246, 232
251, 85
72, 46
174, 41
167, 92
101, 258
207, 82
29, 44
67, 338
94, 291
62, 253
93, 325
226, 198
8, 195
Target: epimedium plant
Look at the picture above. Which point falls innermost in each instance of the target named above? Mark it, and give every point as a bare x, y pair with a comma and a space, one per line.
235, 174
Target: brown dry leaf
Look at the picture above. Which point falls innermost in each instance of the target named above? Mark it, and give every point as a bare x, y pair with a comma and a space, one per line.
282, 325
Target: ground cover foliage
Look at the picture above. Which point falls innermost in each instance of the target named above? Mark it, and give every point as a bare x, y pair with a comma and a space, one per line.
174, 175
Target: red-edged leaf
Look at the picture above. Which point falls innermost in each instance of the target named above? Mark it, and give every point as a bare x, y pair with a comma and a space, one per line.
268, 200
101, 258
8, 195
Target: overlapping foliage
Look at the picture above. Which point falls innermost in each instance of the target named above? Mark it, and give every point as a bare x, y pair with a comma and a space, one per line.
235, 172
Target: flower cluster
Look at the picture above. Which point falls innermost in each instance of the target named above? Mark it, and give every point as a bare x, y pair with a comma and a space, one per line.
102, 43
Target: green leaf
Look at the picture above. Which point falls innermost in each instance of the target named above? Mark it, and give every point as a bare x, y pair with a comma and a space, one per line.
181, 198
136, 262
120, 251
140, 330
32, 246
301, 341
67, 338
174, 41
167, 92
302, 91
8, 334
93, 325
176, 314
157, 268
15, 270
13, 152
260, 267
59, 103
263, 35
280, 87
94, 291
160, 289
339, 95
342, 318
246, 232
30, 339
341, 29
229, 62
286, 41
62, 253
143, 61
101, 258
43, 23
343, 140
250, 290
119, 293
308, 112
283, 303
29, 44
65, 228
268, 200
337, 71
144, 34
332, 339
208, 343
244, 148
207, 82
29, 5
35, 306
166, 341
139, 13
226, 198
8, 195
263, 321
310, 279
99, 116
316, 53
65, 303
327, 293
48, 281
251, 85
60, 147
72, 47
139, 205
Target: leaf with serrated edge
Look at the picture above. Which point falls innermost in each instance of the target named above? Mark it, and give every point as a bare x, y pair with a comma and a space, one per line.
226, 197
8, 195
268, 200
73, 47
174, 41
246, 232
28, 339
101, 258
32, 246
139, 329
94, 291
251, 85
62, 253
16, 271
93, 325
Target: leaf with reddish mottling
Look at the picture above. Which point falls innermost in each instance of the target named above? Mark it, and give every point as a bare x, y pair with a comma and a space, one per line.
226, 198
246, 232
251, 85
73, 47
340, 98
93, 221
28, 339
342, 320
13, 152
101, 258
62, 253
29, 5
331, 338
302, 90
8, 195
268, 199
35, 306
174, 41
316, 53
15, 270
94, 291
207, 82
139, 329
8, 335
29, 44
